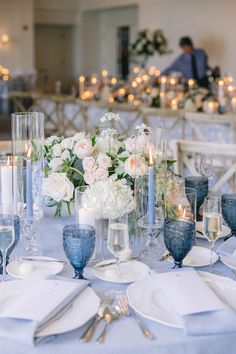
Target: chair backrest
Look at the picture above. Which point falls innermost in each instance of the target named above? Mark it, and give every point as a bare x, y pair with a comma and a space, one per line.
223, 155
215, 127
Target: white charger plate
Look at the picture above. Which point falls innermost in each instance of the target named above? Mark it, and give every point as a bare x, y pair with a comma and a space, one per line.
147, 298
225, 230
129, 272
198, 257
82, 310
42, 269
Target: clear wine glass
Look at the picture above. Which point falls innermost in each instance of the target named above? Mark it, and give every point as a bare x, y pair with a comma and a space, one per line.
118, 238
206, 165
212, 222
7, 233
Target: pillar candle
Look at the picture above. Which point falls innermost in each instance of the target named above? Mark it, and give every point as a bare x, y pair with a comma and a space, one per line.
86, 216
7, 184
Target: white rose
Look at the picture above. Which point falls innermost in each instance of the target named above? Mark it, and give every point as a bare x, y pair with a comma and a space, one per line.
56, 163
89, 178
67, 143
57, 150
101, 174
135, 166
83, 148
79, 136
89, 163
104, 161
58, 187
136, 144
65, 155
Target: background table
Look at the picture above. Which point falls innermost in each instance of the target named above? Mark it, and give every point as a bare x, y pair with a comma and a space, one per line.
123, 336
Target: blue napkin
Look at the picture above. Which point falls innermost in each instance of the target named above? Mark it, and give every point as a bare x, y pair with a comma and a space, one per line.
24, 330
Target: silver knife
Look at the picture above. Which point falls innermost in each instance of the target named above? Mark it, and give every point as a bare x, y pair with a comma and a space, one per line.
114, 262
31, 259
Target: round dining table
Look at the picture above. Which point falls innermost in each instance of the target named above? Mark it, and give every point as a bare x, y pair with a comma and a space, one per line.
123, 336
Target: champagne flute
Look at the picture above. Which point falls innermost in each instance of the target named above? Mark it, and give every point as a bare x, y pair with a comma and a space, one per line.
7, 234
118, 238
206, 165
212, 222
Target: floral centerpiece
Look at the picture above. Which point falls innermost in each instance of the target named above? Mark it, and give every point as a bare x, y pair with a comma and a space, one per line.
146, 45
108, 163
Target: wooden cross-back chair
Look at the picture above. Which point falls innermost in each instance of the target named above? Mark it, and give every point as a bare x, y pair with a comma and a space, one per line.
223, 156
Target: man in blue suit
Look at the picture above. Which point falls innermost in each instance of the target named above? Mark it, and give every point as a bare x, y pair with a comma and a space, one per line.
192, 64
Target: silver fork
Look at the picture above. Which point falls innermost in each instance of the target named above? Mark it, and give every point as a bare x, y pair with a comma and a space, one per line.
123, 304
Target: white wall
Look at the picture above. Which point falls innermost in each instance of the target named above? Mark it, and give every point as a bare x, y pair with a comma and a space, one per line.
18, 53
100, 37
211, 23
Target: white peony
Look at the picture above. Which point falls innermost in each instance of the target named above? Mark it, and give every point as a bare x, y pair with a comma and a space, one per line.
56, 163
67, 143
101, 174
57, 150
58, 187
104, 161
109, 199
83, 148
135, 166
89, 164
79, 136
65, 155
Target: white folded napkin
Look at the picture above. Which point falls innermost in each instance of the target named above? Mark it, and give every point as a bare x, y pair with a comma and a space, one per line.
201, 311
42, 301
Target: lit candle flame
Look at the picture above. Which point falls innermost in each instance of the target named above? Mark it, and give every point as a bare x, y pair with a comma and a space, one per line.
181, 211
150, 159
28, 150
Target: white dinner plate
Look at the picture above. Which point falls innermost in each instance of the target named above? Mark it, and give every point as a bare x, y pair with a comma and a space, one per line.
129, 272
147, 298
198, 257
41, 269
82, 310
225, 230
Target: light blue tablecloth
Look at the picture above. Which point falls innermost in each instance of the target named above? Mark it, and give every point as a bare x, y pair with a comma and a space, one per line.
124, 336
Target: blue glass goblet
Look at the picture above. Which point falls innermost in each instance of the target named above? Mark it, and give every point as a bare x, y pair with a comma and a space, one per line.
79, 244
17, 236
179, 236
200, 184
228, 204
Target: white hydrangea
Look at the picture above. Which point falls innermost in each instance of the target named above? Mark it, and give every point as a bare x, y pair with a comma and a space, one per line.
109, 199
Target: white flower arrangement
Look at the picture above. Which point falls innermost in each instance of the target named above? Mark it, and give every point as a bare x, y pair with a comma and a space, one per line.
110, 199
103, 162
110, 117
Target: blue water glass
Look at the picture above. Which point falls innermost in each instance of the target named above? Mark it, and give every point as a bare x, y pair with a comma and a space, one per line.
17, 236
201, 185
79, 244
228, 204
179, 236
